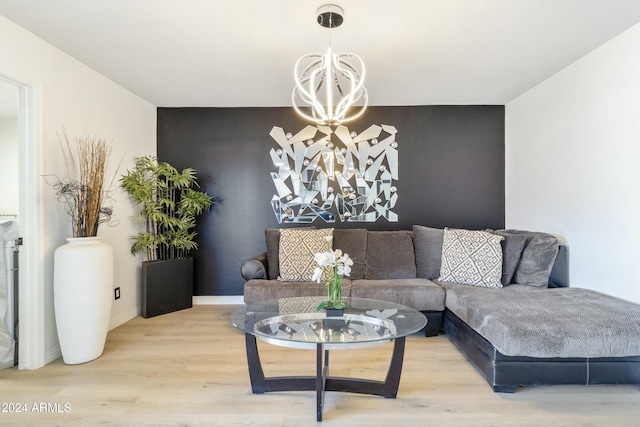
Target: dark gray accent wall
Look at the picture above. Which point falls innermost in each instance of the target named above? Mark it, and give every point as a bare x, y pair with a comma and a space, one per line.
451, 163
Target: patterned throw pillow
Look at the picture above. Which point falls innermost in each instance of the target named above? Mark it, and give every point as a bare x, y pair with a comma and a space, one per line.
297, 249
471, 258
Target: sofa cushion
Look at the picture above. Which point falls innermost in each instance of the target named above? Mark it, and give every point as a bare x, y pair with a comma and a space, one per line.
471, 258
258, 290
427, 243
354, 243
520, 320
390, 255
420, 294
297, 250
272, 237
512, 247
538, 256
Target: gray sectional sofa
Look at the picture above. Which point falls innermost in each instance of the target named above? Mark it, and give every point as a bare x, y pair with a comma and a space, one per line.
531, 329
384, 268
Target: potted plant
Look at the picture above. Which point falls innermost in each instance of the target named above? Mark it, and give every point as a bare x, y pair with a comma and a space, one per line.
83, 268
169, 203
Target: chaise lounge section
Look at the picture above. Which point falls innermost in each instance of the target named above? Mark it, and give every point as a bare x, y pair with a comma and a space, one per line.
522, 335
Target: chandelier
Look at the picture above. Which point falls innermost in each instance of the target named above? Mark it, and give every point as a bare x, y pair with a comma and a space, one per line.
329, 87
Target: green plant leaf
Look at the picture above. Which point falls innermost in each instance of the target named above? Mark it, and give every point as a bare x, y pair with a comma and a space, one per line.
324, 305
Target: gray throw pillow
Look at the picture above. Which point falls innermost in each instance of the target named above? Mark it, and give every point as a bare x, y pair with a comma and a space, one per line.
390, 255
354, 243
512, 247
427, 242
272, 237
538, 256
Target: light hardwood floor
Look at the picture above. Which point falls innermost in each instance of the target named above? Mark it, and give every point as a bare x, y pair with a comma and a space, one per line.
189, 368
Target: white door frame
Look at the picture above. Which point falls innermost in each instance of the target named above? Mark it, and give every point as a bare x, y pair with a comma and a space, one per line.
31, 295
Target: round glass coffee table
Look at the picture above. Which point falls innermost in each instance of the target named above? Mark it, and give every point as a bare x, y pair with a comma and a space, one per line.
294, 322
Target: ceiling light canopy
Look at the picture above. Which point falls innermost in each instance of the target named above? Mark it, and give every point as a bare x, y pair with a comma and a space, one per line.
329, 87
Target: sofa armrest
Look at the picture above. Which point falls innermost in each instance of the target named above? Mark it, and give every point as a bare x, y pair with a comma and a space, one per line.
255, 267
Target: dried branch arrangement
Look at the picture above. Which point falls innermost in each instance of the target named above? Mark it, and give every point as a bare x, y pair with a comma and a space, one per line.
84, 191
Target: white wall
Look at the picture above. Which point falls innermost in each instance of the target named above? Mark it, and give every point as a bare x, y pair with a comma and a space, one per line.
83, 101
573, 164
9, 200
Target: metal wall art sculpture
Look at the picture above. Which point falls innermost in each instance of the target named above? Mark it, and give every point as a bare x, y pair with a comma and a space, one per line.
328, 174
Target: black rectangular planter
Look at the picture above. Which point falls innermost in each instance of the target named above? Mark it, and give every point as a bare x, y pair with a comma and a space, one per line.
167, 286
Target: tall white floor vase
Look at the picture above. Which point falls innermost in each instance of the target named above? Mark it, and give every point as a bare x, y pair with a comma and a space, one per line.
82, 286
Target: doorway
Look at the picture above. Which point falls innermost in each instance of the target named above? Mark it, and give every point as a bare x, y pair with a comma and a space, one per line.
9, 208
23, 185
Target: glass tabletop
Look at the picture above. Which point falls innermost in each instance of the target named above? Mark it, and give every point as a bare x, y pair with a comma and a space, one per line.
295, 322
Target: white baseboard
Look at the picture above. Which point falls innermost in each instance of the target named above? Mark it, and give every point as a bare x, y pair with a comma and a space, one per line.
218, 300
124, 317
52, 354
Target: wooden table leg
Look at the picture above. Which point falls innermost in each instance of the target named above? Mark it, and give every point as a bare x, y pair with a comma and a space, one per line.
256, 374
261, 384
392, 381
322, 381
321, 375
387, 388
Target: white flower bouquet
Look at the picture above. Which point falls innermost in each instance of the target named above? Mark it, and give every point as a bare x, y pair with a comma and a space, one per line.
332, 266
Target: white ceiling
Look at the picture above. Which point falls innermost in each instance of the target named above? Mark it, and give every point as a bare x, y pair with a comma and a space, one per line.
218, 53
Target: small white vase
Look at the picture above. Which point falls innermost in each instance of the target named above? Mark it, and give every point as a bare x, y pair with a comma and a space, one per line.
82, 289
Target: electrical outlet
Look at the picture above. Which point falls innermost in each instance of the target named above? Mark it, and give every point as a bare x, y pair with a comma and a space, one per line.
116, 292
